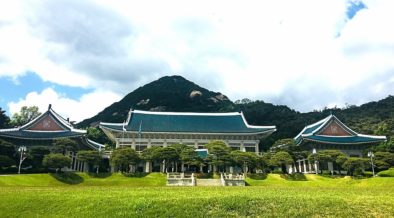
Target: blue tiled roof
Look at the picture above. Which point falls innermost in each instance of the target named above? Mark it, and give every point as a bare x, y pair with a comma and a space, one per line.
343, 139
311, 133
188, 122
21, 134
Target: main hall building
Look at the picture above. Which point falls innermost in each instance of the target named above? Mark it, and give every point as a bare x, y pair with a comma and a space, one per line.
144, 129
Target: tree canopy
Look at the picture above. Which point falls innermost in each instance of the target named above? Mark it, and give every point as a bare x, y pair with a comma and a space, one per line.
25, 115
124, 159
57, 161
4, 119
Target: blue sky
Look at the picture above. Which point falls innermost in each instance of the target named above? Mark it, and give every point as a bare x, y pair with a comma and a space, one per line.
81, 56
15, 89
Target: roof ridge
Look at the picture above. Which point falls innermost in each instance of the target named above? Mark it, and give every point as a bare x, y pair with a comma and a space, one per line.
187, 113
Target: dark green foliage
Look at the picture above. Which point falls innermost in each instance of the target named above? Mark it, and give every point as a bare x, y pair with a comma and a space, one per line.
64, 144
189, 156
244, 159
355, 165
68, 178
219, 154
386, 157
6, 148
96, 134
281, 159
36, 155
4, 119
57, 161
6, 161
25, 115
91, 157
124, 159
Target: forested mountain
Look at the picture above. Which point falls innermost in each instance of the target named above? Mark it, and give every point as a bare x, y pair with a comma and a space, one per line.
170, 93
175, 93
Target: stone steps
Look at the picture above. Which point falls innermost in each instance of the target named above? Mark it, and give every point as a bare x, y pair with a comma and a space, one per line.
209, 182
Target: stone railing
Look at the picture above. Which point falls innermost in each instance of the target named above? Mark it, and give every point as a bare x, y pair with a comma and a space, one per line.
233, 179
181, 179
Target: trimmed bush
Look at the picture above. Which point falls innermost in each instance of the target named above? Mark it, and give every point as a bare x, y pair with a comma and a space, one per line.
387, 173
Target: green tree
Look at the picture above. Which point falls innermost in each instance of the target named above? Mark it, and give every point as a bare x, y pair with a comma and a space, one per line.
325, 156
281, 159
246, 160
355, 165
6, 161
385, 157
36, 155
124, 159
168, 155
62, 145
263, 161
189, 156
6, 148
57, 161
92, 158
97, 135
25, 115
4, 119
219, 154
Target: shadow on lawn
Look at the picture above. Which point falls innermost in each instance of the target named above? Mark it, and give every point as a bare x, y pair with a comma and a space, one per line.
294, 177
67, 177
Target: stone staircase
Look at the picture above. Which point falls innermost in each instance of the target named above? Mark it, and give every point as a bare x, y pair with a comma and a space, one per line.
209, 182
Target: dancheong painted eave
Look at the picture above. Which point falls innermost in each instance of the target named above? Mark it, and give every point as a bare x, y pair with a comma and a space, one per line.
316, 133
47, 126
183, 122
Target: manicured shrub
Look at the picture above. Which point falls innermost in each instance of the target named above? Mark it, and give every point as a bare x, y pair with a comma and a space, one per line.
387, 173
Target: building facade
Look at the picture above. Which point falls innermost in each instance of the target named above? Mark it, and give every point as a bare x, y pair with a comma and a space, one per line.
144, 129
331, 134
47, 127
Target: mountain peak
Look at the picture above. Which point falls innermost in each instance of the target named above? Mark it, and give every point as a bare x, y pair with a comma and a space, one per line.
168, 93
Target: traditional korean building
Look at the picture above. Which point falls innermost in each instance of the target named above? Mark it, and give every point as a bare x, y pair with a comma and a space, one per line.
44, 129
331, 134
144, 129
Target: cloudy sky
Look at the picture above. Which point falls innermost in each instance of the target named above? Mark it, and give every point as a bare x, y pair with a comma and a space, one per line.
81, 56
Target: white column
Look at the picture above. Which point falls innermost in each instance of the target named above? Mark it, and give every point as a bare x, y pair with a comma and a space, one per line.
304, 161
310, 166
242, 148
201, 168
316, 168
231, 169
299, 166
75, 163
148, 167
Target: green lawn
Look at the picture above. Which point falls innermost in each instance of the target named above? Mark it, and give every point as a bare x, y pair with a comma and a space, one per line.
119, 196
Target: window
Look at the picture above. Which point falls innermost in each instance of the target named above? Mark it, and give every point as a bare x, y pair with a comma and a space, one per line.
250, 149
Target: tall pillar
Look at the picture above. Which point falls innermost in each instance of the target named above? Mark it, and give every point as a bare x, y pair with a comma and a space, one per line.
242, 147
299, 166
201, 169
316, 168
304, 161
231, 169
148, 167
310, 166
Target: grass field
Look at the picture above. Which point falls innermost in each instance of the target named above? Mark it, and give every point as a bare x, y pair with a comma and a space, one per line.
119, 196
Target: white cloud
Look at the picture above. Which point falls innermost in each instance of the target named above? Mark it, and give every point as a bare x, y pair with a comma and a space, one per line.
77, 110
306, 54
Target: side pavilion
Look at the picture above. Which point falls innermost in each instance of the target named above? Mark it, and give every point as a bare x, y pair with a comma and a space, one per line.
42, 130
331, 134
